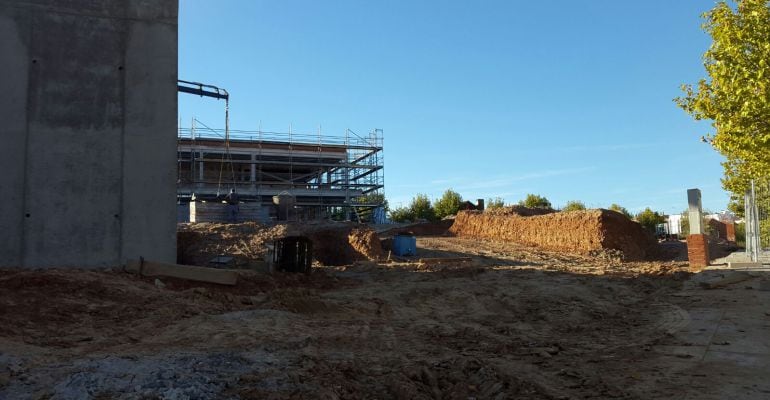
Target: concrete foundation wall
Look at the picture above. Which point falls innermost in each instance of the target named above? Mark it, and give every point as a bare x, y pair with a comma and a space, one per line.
88, 148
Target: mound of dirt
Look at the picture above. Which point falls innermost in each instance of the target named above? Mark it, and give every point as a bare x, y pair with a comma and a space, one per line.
333, 243
340, 243
581, 232
72, 307
366, 242
198, 243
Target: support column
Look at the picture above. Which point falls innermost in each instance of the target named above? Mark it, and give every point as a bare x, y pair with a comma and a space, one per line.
200, 171
695, 211
698, 252
253, 168
697, 242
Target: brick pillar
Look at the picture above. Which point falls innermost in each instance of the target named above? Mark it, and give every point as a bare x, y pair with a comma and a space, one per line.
698, 252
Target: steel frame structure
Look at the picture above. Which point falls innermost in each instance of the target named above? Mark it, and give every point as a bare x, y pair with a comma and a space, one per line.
327, 175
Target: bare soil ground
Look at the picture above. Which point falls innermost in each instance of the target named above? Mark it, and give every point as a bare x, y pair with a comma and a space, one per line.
516, 322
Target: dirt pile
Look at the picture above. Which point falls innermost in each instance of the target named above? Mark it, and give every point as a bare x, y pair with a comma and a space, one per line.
580, 232
72, 308
340, 243
199, 243
333, 243
366, 242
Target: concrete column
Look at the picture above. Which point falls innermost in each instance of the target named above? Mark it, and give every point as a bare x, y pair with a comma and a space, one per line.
200, 171
695, 211
253, 168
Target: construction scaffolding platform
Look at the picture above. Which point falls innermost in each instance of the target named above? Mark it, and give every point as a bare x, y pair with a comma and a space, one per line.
339, 177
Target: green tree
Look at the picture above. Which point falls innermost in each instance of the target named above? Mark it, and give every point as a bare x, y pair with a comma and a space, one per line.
736, 206
622, 210
535, 201
497, 202
401, 214
448, 204
736, 95
573, 205
650, 219
421, 208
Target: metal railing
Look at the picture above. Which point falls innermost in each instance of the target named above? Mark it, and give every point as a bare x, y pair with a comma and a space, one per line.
373, 141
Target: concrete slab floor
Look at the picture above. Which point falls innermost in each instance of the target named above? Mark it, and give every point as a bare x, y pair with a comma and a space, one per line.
725, 350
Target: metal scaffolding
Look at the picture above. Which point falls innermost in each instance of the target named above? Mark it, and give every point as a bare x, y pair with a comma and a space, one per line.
329, 176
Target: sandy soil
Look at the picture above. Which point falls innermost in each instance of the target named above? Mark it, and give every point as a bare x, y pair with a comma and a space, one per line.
515, 322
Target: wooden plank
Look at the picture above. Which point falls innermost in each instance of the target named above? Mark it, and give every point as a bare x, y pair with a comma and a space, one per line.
198, 274
438, 260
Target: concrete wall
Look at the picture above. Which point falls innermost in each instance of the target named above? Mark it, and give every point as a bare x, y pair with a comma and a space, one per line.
88, 127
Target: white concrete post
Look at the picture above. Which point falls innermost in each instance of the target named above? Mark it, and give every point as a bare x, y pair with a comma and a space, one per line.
695, 211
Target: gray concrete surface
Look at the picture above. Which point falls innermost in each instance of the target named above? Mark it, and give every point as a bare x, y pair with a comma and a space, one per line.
88, 116
695, 211
724, 352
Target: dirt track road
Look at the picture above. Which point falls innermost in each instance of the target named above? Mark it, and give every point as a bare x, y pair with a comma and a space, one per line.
514, 323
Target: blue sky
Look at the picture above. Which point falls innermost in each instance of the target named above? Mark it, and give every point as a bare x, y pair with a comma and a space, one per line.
571, 100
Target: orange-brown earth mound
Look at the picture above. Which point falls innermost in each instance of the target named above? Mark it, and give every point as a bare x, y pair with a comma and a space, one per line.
333, 243
580, 232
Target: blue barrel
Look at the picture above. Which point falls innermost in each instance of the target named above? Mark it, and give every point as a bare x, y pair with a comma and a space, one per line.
404, 245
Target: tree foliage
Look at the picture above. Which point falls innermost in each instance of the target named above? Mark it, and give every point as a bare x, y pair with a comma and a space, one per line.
622, 210
535, 201
421, 208
573, 205
736, 95
401, 214
448, 204
496, 202
736, 206
649, 219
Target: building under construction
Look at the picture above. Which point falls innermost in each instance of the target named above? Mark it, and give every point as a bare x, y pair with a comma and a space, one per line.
313, 176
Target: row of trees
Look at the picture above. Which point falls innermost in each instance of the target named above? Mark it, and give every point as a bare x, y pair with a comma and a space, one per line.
537, 201
421, 208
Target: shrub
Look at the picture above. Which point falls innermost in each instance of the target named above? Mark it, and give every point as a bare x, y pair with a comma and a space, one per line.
622, 210
535, 201
574, 206
401, 214
497, 202
421, 208
448, 204
649, 219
